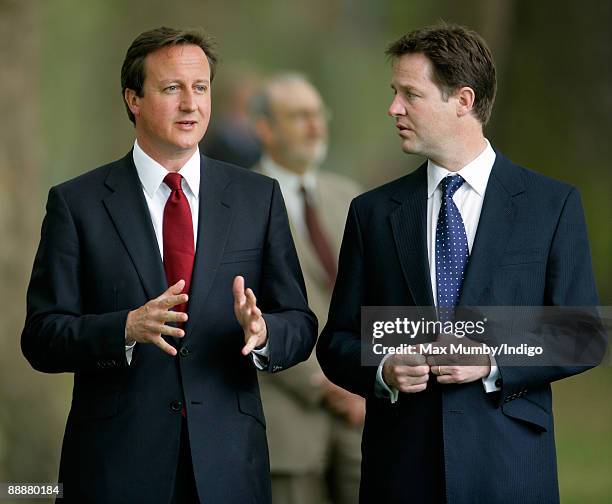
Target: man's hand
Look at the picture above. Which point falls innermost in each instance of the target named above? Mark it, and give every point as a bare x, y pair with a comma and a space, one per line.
456, 368
349, 406
249, 317
147, 323
407, 373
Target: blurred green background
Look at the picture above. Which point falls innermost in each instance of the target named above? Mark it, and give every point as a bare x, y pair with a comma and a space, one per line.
62, 114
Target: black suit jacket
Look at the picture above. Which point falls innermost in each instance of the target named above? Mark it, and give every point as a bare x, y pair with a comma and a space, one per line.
98, 258
530, 249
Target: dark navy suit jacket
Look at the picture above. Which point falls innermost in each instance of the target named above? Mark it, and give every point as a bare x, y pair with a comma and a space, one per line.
98, 258
456, 442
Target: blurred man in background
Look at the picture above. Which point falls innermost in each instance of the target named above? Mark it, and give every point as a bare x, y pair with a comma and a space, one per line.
314, 427
231, 136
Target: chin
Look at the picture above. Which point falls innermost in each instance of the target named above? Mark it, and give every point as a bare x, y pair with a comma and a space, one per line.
319, 154
410, 148
188, 143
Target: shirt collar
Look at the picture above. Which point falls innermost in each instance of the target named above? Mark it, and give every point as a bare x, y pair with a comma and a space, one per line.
288, 179
152, 174
476, 173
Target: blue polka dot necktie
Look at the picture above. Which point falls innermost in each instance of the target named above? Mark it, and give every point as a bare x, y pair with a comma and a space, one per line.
451, 248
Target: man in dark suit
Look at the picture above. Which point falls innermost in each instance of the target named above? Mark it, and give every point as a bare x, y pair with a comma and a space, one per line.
468, 227
131, 291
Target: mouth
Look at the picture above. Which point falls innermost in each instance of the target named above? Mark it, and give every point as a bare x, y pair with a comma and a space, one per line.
187, 125
403, 130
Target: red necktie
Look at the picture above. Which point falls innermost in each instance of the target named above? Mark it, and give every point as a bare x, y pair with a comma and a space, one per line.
178, 236
319, 240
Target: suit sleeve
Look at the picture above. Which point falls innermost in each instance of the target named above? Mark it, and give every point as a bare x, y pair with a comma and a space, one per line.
58, 336
569, 282
292, 327
339, 346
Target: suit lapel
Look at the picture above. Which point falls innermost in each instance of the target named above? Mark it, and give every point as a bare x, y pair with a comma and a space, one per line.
128, 210
408, 223
214, 224
494, 228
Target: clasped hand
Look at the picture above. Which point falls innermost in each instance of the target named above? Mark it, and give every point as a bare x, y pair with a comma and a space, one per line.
410, 373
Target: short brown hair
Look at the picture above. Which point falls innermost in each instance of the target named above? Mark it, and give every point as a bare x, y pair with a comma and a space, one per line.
133, 68
459, 57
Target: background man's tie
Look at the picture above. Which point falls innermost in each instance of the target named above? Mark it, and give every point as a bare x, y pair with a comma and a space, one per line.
319, 240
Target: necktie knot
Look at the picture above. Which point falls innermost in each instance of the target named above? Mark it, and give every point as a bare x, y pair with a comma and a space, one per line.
173, 181
451, 184
305, 195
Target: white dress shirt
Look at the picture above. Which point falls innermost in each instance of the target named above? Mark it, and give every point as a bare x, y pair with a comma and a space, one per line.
156, 193
468, 199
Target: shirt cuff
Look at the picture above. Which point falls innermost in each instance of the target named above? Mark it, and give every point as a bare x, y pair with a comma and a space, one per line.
489, 381
128, 352
381, 389
129, 349
261, 356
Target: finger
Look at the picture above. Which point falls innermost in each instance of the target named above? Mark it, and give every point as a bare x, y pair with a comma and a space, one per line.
163, 345
238, 290
173, 316
250, 345
442, 361
446, 379
172, 331
157, 329
170, 301
412, 380
410, 360
412, 370
175, 289
251, 299
255, 326
411, 389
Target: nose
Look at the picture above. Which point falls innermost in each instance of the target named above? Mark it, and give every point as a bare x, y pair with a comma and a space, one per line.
316, 124
396, 108
188, 102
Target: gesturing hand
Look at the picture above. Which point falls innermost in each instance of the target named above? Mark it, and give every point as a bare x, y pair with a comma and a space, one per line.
407, 373
249, 317
147, 323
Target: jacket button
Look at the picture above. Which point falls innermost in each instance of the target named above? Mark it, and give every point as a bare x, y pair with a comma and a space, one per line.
499, 382
184, 352
176, 405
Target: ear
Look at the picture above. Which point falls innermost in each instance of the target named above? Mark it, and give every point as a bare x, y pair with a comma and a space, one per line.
465, 100
264, 131
133, 101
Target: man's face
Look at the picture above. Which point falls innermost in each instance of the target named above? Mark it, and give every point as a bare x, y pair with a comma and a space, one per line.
298, 127
425, 120
173, 113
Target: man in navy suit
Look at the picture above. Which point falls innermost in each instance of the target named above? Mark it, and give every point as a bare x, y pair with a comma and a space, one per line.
468, 227
138, 288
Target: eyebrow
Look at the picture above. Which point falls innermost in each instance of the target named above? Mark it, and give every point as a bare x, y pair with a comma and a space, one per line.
408, 88
168, 81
